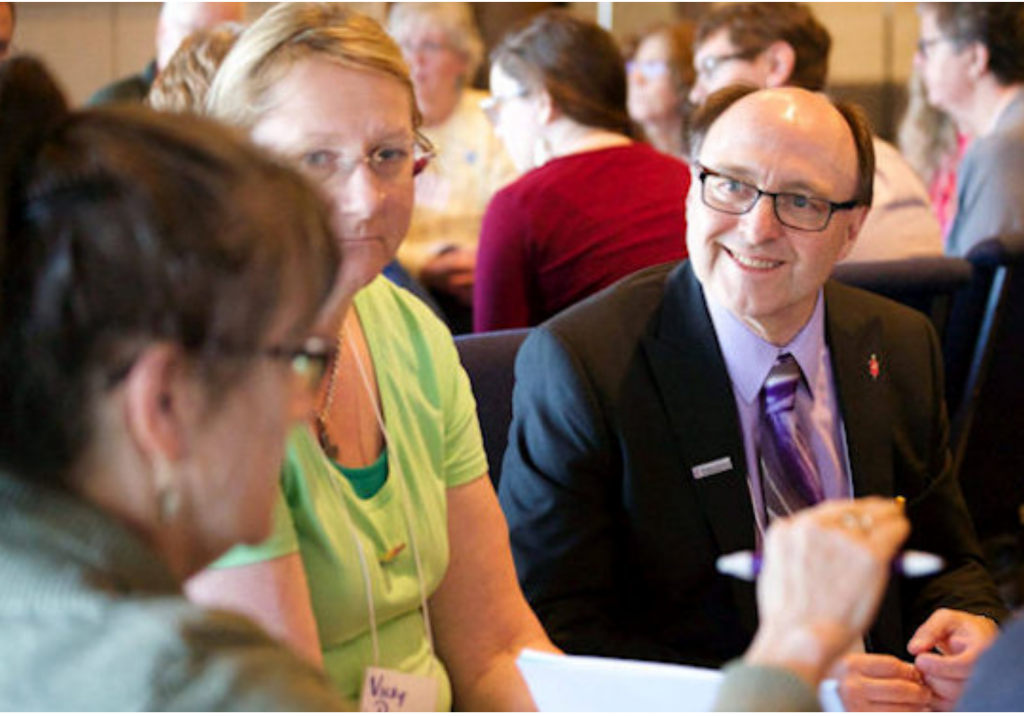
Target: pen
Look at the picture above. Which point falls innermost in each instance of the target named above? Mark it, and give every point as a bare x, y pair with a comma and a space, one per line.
747, 565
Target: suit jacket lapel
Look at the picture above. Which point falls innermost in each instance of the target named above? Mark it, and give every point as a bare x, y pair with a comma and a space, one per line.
858, 366
859, 359
689, 371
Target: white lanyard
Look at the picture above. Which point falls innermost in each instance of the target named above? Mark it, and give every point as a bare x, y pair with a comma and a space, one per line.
410, 524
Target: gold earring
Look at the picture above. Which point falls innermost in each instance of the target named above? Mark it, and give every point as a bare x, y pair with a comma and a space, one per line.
168, 499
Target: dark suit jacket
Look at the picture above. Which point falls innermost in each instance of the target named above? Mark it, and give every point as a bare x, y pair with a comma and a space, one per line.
619, 398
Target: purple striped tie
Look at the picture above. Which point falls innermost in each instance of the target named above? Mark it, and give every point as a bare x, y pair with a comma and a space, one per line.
790, 478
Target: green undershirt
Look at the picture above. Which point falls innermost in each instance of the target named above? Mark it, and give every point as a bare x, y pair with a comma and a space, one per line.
366, 481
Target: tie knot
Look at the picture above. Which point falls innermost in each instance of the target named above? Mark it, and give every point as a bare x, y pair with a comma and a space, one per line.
780, 385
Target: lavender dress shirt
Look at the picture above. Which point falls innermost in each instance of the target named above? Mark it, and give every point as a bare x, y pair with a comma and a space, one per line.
748, 359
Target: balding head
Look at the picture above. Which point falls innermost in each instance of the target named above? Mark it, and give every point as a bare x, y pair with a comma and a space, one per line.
856, 123
178, 20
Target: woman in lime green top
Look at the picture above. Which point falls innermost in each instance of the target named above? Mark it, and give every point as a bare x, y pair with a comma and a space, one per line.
390, 550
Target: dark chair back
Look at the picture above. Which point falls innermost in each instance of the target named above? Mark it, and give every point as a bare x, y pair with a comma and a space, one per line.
926, 283
490, 359
985, 365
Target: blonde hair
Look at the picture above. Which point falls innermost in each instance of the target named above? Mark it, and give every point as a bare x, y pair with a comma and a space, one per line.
183, 84
927, 135
455, 19
288, 33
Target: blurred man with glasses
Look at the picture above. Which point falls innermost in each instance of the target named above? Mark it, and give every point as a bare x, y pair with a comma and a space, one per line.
971, 58
637, 454
783, 44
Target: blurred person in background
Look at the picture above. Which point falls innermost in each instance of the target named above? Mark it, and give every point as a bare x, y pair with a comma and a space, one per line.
929, 139
660, 72
177, 21
442, 45
593, 205
777, 44
185, 81
971, 58
390, 553
8, 16
160, 279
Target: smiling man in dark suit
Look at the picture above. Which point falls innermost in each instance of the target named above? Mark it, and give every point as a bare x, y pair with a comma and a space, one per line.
646, 440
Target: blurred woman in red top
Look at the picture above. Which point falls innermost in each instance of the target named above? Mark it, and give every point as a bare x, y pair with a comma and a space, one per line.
593, 204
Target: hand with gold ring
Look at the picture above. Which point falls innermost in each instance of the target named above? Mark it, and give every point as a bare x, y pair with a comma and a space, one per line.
851, 519
824, 572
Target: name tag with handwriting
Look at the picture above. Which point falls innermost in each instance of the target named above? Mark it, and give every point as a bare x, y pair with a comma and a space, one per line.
388, 690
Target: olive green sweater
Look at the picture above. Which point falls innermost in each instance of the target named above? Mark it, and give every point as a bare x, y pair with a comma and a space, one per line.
91, 620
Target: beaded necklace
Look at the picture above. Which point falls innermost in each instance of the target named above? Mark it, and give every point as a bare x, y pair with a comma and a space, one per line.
329, 448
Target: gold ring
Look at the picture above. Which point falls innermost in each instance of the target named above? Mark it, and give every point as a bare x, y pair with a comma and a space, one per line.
853, 521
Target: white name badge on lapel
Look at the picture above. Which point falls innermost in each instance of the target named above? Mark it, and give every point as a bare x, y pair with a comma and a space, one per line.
388, 690
710, 469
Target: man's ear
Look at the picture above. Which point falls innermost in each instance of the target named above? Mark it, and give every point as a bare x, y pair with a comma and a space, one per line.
157, 402
780, 60
858, 216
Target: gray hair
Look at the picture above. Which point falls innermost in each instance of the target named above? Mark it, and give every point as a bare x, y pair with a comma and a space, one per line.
455, 19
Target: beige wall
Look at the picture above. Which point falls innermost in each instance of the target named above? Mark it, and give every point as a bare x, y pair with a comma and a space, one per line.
859, 35
87, 44
90, 43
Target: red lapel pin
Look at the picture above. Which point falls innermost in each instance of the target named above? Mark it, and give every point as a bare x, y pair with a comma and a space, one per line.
874, 367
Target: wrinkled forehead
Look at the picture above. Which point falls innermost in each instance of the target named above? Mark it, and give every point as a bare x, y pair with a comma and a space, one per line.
791, 136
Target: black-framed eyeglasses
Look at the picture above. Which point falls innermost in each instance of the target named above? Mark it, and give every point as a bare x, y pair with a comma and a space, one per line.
796, 211
708, 65
924, 45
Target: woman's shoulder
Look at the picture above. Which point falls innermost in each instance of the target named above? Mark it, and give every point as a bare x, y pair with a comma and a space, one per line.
222, 661
392, 315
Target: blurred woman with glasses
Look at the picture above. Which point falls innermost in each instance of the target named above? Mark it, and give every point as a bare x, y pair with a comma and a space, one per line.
593, 205
390, 558
159, 280
660, 73
442, 45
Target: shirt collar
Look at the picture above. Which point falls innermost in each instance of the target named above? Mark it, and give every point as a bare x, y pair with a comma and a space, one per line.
748, 357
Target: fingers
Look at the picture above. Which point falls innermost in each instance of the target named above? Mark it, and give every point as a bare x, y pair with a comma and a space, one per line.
955, 634
945, 692
876, 521
875, 682
934, 630
877, 666
961, 638
861, 693
947, 667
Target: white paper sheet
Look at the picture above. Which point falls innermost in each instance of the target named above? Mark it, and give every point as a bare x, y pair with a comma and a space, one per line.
590, 683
